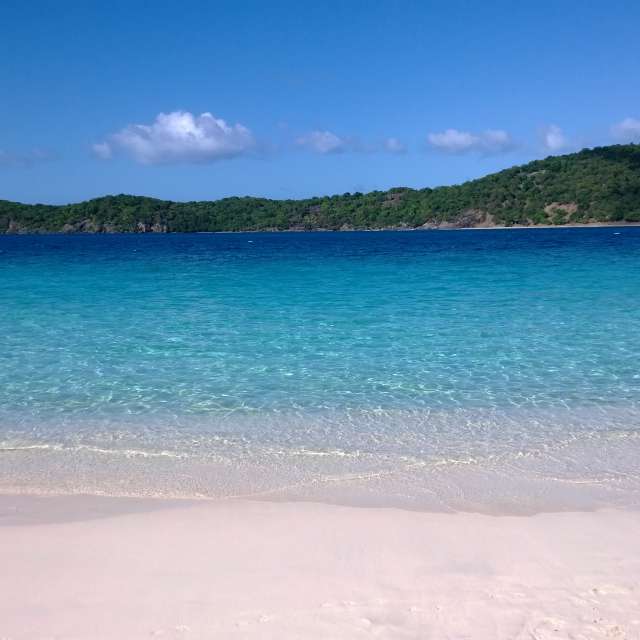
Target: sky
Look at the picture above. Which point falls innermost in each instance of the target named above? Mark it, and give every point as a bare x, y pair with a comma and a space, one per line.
287, 99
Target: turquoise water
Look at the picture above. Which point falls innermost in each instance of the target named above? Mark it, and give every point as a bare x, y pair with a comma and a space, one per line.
253, 363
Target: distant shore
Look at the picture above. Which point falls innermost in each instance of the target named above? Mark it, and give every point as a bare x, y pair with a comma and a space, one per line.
596, 185
548, 226
586, 225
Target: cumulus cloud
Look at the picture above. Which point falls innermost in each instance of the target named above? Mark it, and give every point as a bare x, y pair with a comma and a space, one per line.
455, 141
178, 136
323, 142
628, 130
553, 138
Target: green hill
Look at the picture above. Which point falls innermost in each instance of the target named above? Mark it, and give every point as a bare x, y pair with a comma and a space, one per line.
594, 185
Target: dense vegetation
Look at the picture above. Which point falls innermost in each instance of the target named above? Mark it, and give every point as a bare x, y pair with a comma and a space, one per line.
594, 185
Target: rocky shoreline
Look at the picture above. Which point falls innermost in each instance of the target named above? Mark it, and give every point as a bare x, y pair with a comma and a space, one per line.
91, 227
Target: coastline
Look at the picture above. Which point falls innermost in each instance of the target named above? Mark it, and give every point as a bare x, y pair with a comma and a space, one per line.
111, 568
579, 474
444, 227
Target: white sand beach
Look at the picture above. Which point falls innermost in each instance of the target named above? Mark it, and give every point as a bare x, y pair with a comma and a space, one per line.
103, 568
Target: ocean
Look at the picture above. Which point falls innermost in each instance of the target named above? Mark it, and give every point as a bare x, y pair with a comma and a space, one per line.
491, 370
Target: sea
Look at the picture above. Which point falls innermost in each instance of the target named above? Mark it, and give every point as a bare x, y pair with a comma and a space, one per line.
482, 370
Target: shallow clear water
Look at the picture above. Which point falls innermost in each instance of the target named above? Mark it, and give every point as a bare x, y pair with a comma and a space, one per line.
256, 363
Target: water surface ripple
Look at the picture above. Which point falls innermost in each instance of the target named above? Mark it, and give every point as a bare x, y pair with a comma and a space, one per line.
438, 369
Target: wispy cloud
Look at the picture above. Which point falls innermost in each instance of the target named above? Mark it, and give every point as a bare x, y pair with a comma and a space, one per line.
628, 130
456, 141
554, 139
393, 145
102, 150
178, 137
24, 159
324, 142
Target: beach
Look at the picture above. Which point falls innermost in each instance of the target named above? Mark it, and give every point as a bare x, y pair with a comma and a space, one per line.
301, 342
105, 568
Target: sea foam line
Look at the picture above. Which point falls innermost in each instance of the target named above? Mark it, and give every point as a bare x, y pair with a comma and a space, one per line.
129, 453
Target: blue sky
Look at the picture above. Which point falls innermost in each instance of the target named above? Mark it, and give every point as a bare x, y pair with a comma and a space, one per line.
201, 100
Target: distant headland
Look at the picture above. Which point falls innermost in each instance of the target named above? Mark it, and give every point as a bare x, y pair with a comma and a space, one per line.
591, 187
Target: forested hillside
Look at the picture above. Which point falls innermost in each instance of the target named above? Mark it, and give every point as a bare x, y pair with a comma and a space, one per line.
594, 185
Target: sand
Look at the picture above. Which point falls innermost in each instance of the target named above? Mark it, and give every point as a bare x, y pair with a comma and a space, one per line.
89, 567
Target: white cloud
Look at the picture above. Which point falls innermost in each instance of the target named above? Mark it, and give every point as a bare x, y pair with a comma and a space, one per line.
327, 142
628, 130
323, 142
393, 145
553, 138
455, 141
179, 136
